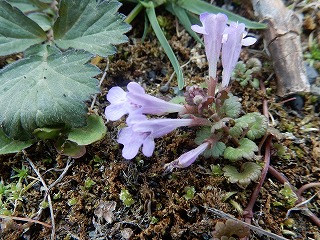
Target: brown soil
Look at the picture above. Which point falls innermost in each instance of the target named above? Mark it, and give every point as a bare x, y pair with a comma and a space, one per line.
160, 209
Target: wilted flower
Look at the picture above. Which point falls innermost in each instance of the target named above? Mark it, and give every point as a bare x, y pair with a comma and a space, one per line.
232, 41
142, 132
186, 159
213, 26
136, 100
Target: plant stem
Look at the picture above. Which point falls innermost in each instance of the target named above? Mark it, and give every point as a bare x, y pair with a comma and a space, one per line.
248, 212
137, 9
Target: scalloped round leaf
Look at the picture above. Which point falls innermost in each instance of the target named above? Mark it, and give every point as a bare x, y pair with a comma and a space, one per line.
245, 150
69, 148
251, 172
17, 31
8, 145
216, 151
258, 127
202, 134
94, 26
46, 91
92, 132
231, 107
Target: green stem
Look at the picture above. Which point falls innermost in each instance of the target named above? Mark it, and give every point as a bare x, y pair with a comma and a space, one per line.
137, 9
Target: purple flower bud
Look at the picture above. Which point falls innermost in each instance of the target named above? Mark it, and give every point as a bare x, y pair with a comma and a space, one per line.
136, 100
233, 39
142, 132
213, 26
186, 159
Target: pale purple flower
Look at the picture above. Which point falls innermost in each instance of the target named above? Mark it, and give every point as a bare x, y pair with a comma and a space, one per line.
233, 39
136, 100
213, 26
142, 132
186, 159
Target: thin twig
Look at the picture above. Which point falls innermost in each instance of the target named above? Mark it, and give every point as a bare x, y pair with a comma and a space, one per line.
68, 165
53, 231
25, 220
101, 81
254, 228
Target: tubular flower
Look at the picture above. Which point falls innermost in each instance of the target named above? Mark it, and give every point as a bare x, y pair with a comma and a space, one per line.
136, 100
213, 26
142, 132
232, 41
186, 159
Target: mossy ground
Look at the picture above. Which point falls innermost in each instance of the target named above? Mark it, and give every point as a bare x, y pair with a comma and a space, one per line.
160, 210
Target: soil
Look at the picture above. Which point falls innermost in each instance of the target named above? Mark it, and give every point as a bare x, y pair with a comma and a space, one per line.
161, 208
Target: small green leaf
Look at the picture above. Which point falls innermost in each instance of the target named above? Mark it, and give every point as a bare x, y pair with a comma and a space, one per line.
190, 191
164, 43
215, 151
126, 197
47, 133
8, 145
69, 148
251, 172
202, 134
231, 106
92, 132
256, 124
94, 26
46, 91
17, 31
245, 150
199, 6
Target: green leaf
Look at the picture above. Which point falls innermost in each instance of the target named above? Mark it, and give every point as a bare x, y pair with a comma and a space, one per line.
256, 124
199, 6
202, 134
251, 172
215, 151
184, 19
46, 91
17, 31
94, 26
8, 145
47, 133
92, 132
164, 43
30, 5
70, 149
231, 106
245, 150
43, 20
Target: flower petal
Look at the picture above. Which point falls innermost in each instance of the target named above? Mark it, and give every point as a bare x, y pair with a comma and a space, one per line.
114, 112
248, 41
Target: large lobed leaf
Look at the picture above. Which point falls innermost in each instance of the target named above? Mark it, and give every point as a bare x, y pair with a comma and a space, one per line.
94, 26
17, 31
44, 91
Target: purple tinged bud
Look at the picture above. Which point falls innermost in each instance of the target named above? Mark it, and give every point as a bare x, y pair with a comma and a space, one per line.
213, 26
186, 159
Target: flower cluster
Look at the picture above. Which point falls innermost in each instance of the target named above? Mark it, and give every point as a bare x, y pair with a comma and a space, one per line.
141, 130
217, 35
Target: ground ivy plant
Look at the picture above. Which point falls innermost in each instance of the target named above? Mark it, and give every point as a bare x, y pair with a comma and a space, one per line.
224, 130
43, 94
